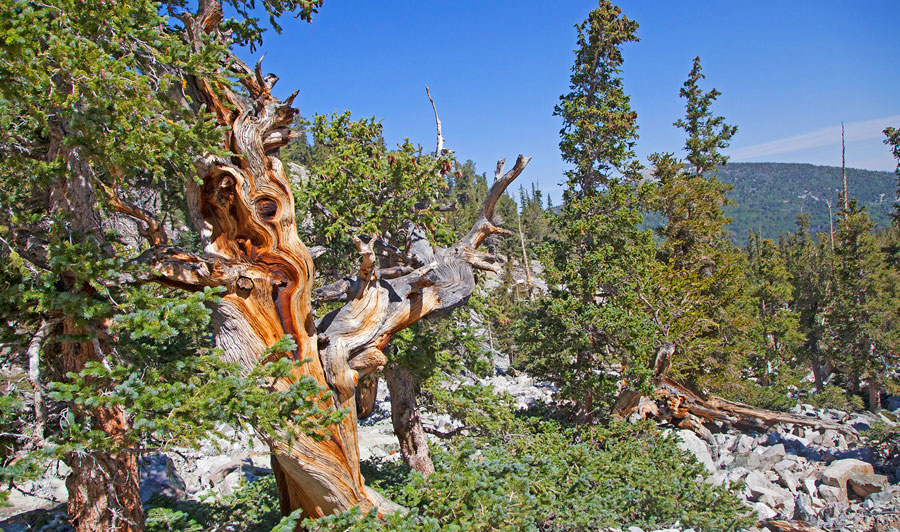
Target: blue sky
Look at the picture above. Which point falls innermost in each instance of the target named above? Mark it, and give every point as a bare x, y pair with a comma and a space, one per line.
790, 72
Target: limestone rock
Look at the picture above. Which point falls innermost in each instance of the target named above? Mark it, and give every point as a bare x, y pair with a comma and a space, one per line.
697, 447
760, 487
804, 509
840, 471
831, 494
764, 512
865, 485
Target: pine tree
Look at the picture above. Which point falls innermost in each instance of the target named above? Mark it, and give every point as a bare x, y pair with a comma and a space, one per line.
809, 262
699, 267
591, 319
864, 334
776, 333
693, 199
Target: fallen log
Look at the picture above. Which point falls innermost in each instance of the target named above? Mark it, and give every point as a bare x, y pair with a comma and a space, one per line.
676, 403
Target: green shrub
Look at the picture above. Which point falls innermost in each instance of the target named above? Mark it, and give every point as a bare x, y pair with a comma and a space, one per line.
884, 438
253, 507
835, 397
551, 478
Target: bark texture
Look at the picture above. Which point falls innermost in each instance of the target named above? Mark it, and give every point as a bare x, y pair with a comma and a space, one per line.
406, 420
244, 210
690, 409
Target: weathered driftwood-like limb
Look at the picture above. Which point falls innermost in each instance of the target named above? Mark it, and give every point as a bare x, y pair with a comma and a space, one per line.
377, 308
34, 377
149, 227
438, 151
690, 409
485, 227
180, 268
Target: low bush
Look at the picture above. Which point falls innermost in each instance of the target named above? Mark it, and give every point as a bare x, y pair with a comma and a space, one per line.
549, 477
253, 507
835, 397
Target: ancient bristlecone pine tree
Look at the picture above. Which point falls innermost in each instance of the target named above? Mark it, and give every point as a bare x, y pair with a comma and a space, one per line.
243, 207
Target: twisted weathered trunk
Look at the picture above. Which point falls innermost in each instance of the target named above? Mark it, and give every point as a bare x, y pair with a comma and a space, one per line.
244, 209
406, 420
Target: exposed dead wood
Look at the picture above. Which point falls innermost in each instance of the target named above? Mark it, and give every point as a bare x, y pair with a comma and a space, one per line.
686, 408
149, 227
791, 526
446, 435
244, 209
676, 403
439, 149
844, 171
34, 377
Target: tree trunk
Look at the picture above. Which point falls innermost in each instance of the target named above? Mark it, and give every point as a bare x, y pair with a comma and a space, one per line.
243, 208
104, 489
366, 395
874, 388
818, 374
853, 383
406, 420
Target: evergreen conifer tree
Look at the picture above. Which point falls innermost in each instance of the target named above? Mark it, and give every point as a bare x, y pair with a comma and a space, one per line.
809, 262
861, 316
776, 332
697, 295
591, 321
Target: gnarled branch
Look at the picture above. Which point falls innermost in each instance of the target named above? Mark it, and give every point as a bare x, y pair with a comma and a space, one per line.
485, 226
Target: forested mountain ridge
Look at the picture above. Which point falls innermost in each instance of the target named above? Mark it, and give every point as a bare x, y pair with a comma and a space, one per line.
769, 196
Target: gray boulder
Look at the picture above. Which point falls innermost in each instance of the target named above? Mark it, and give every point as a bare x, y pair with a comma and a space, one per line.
760, 487
840, 471
865, 485
697, 447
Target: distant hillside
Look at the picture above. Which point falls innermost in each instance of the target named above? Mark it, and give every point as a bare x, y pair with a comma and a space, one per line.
769, 196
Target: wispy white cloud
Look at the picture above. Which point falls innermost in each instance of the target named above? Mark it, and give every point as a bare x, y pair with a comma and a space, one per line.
869, 129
